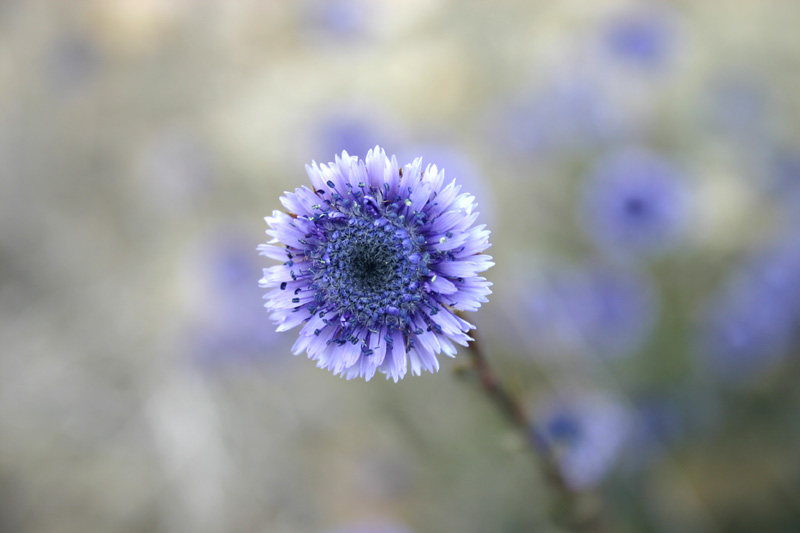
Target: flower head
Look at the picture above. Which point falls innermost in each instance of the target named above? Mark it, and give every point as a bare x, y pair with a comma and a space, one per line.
751, 322
643, 37
635, 202
588, 433
376, 258
231, 332
593, 310
570, 111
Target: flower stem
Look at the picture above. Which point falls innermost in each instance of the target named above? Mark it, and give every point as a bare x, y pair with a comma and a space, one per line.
570, 507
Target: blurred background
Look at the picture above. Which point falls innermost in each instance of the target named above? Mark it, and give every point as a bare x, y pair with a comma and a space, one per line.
637, 162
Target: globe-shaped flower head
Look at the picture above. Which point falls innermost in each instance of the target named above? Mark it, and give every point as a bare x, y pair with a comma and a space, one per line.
636, 203
376, 258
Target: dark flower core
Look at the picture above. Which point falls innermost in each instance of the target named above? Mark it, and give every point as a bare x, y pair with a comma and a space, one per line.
371, 271
564, 427
635, 206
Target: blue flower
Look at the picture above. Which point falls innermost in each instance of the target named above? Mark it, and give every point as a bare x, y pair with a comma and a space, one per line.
345, 18
635, 202
658, 423
587, 433
743, 337
786, 180
229, 329
570, 111
591, 311
753, 319
351, 131
642, 37
376, 259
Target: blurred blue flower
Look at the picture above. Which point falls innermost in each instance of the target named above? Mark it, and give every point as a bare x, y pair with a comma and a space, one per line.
635, 202
591, 311
753, 319
656, 426
643, 36
775, 273
786, 176
354, 129
587, 432
376, 259
345, 17
743, 337
339, 22
571, 111
349, 133
233, 330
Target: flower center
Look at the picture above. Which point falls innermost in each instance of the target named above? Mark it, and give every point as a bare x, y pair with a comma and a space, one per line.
372, 272
371, 264
635, 206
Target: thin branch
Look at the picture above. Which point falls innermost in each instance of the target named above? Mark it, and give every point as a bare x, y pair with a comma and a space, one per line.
569, 502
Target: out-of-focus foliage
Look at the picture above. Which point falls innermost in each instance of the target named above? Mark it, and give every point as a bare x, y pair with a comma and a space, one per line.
638, 164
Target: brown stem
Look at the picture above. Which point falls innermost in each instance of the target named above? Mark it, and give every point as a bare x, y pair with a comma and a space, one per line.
569, 503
